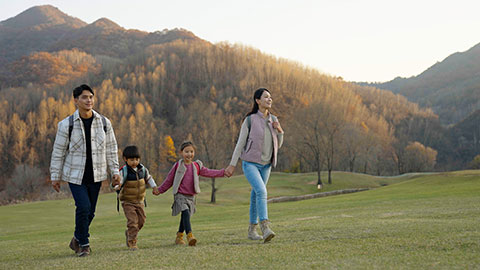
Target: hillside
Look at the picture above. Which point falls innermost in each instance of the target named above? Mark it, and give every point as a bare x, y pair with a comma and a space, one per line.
451, 87
466, 135
421, 222
176, 86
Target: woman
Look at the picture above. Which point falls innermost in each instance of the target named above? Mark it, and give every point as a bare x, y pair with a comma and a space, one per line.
260, 138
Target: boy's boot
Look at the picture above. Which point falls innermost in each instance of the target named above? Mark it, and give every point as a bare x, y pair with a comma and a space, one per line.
252, 232
179, 239
192, 241
268, 234
132, 244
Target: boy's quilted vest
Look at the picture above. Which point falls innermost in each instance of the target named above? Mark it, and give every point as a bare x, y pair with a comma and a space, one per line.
134, 188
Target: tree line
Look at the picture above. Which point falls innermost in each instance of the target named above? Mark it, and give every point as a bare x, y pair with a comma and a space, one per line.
196, 90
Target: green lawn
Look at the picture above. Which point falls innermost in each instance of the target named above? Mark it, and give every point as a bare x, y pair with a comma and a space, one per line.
409, 222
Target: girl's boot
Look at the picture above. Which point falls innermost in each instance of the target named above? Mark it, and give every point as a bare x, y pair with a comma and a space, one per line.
252, 232
192, 241
179, 239
268, 234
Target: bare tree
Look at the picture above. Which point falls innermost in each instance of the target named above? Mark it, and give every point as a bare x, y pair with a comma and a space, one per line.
26, 183
352, 137
311, 140
210, 130
331, 128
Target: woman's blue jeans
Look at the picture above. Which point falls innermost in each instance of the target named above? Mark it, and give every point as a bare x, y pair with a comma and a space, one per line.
85, 197
257, 175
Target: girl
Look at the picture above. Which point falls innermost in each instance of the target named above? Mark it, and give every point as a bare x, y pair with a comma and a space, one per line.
184, 176
260, 138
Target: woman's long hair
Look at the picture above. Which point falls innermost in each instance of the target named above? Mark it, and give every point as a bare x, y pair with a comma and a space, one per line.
257, 95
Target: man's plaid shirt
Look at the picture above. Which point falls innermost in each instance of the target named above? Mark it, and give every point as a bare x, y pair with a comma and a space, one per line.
69, 155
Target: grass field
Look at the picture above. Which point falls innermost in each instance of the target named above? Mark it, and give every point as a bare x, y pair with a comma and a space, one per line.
408, 222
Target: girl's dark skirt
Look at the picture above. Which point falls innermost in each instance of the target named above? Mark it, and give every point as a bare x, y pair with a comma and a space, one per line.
183, 202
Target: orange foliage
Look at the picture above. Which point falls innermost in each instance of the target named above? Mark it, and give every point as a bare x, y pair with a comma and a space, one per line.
53, 68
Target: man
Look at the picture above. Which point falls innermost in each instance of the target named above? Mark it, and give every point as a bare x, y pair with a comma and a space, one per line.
85, 148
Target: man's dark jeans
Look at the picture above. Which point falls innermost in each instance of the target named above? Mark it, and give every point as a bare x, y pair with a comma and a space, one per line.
85, 197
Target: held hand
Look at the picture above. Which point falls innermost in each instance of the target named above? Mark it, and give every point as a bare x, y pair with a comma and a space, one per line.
56, 185
229, 170
155, 191
276, 125
115, 180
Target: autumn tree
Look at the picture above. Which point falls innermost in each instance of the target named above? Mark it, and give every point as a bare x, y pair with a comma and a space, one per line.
419, 158
167, 155
475, 163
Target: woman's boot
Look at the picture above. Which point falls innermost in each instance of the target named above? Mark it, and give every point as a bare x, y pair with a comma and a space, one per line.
268, 234
252, 232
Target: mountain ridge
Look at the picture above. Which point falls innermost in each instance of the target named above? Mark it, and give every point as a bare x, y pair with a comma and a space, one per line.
46, 28
450, 87
42, 15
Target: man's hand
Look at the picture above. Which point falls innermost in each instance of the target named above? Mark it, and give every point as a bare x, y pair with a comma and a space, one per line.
56, 185
115, 180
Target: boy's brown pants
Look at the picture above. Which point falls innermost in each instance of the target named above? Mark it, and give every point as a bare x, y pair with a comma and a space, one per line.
135, 214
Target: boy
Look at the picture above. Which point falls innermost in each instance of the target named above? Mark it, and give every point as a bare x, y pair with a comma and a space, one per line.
134, 177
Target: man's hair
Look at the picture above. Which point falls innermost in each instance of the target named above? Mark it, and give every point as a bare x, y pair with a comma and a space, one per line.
79, 90
131, 151
187, 143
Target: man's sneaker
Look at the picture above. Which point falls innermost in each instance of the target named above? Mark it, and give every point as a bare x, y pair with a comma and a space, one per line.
84, 251
74, 245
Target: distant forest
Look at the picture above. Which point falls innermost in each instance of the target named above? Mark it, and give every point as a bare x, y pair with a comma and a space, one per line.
161, 92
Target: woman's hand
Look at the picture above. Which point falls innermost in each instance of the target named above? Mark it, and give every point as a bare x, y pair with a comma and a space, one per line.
276, 125
229, 170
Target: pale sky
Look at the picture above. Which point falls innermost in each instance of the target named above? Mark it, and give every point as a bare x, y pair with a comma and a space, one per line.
369, 40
